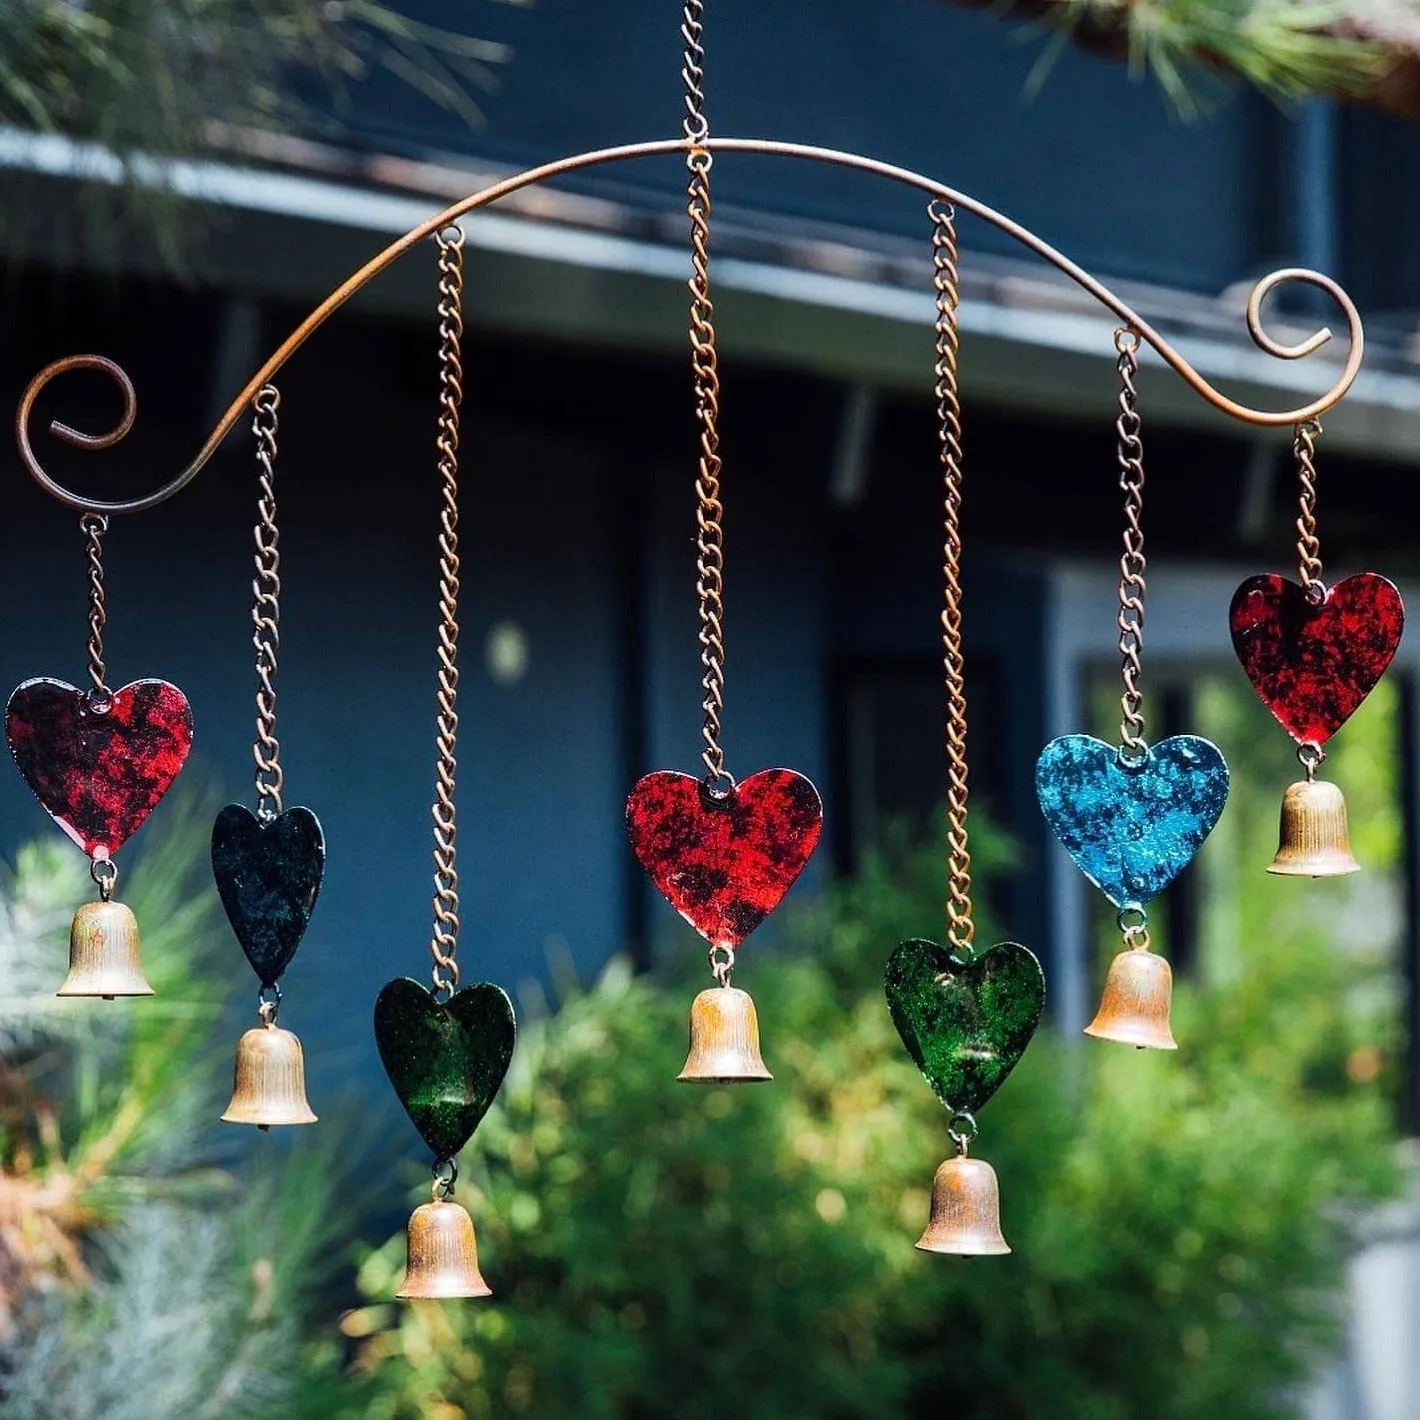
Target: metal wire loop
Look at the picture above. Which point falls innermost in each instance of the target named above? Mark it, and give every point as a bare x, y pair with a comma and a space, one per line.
446, 1175
1308, 545
1131, 919
1132, 564
1312, 757
268, 1003
961, 1130
104, 872
961, 928
722, 963
444, 941
266, 606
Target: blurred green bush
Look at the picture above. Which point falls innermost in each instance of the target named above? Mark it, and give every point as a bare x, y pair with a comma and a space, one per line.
1180, 1222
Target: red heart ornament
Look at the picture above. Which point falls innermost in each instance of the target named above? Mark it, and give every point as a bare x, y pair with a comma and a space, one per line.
98, 771
724, 858
1314, 662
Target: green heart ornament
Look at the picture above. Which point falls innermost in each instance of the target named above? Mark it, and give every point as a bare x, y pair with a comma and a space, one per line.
445, 1059
965, 1022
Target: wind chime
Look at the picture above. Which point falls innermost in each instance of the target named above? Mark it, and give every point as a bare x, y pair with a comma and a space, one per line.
1132, 815
1313, 653
268, 865
722, 853
446, 1051
965, 1016
99, 761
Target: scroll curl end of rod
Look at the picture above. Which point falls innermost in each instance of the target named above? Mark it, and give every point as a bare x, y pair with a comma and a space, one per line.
68, 433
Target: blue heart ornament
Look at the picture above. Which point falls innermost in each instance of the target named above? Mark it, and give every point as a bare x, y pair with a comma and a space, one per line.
1132, 826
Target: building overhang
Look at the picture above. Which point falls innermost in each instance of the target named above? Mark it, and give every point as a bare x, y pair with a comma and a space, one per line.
290, 219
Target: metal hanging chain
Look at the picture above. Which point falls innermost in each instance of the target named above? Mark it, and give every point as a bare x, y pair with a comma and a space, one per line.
444, 942
1308, 545
961, 928
1132, 565
266, 606
710, 537
94, 526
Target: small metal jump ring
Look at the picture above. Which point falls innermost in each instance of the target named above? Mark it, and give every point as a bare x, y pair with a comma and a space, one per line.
712, 783
1311, 757
98, 700
722, 963
1131, 918
105, 881
1127, 760
1126, 340
268, 1003
446, 1175
961, 1129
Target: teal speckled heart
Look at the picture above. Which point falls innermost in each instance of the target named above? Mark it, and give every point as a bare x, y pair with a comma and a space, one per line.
445, 1060
1131, 828
965, 1023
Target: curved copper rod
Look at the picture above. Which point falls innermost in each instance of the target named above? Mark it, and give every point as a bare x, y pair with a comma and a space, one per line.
659, 148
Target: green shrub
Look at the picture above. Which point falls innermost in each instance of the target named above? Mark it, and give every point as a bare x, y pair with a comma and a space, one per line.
1179, 1221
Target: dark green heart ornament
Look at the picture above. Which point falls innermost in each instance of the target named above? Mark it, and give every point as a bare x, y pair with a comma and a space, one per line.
964, 1023
446, 1060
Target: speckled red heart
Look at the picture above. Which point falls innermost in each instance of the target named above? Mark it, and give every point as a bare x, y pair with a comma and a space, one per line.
99, 770
1314, 662
724, 858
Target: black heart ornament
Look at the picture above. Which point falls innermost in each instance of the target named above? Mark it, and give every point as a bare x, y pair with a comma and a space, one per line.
268, 874
445, 1059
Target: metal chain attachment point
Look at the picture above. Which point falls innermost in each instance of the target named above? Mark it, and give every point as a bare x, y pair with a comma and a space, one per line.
1308, 545
1132, 564
266, 606
961, 928
446, 1175
443, 944
1133, 924
94, 526
961, 1130
722, 964
104, 872
705, 368
1311, 757
268, 1003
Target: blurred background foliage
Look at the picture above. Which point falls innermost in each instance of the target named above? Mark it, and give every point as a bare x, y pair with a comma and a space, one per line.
1181, 1223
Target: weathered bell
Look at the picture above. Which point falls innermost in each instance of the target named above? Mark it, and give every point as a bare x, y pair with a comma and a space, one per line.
1135, 1006
724, 1039
966, 1211
443, 1257
103, 953
270, 1083
1313, 841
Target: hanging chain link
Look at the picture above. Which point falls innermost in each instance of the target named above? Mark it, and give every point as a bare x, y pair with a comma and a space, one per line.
1132, 565
444, 942
704, 359
266, 606
961, 928
94, 526
1308, 545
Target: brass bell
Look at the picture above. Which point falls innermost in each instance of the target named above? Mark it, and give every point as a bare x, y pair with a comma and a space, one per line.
103, 953
724, 1039
443, 1257
1135, 1006
1313, 841
270, 1083
966, 1211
